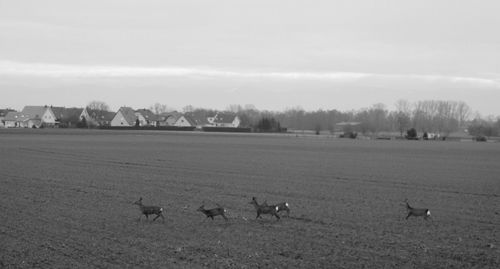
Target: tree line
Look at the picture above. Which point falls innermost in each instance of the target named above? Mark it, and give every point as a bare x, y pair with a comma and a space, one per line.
425, 116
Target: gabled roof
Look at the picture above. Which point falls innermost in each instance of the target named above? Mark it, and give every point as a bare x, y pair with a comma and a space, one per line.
100, 115
107, 116
16, 116
67, 114
147, 114
199, 119
34, 112
128, 114
189, 119
222, 117
4, 112
165, 115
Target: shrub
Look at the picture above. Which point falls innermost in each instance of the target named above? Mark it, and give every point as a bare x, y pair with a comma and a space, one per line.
411, 134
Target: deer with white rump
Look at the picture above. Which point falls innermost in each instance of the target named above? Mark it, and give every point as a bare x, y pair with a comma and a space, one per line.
264, 209
417, 212
211, 213
283, 207
149, 210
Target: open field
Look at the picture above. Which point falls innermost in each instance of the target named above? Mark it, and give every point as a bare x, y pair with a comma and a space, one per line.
66, 201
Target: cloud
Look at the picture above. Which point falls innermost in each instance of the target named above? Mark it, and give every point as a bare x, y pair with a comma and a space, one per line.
11, 68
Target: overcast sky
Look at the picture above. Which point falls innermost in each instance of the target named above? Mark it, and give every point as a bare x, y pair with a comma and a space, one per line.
273, 54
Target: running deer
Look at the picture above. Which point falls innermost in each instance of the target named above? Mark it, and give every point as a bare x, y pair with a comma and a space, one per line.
283, 207
264, 208
417, 212
149, 210
211, 213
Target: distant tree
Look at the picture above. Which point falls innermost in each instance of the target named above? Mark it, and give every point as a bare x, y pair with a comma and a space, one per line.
158, 108
98, 105
188, 108
97, 110
137, 123
402, 122
268, 124
479, 127
411, 134
463, 113
317, 128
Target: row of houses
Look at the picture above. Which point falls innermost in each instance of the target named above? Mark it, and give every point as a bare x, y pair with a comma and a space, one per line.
49, 116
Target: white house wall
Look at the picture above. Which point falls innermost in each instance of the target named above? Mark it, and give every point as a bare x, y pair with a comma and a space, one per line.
182, 122
49, 117
119, 120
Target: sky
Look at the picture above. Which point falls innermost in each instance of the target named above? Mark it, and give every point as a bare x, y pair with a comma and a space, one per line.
342, 54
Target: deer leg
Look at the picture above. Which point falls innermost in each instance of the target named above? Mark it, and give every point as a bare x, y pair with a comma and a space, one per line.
409, 214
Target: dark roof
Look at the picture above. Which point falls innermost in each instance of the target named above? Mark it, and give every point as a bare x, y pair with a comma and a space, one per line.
67, 114
34, 112
222, 117
148, 114
165, 115
101, 115
16, 116
4, 112
190, 120
199, 118
128, 114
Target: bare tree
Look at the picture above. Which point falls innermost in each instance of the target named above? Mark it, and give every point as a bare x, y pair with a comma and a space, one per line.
98, 105
97, 111
188, 108
158, 108
463, 113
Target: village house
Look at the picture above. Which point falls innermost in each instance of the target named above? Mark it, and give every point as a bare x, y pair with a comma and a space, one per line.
69, 117
31, 117
192, 119
222, 119
125, 117
147, 118
185, 121
16, 120
3, 113
168, 118
98, 117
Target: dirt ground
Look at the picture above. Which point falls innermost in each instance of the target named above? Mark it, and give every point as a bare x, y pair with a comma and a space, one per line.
66, 201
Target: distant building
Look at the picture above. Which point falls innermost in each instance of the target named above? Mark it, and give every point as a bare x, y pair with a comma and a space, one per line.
98, 117
185, 121
222, 119
16, 120
31, 117
147, 117
3, 113
125, 117
68, 117
347, 127
168, 118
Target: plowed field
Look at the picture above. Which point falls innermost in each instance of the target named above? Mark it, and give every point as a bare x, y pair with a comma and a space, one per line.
66, 201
